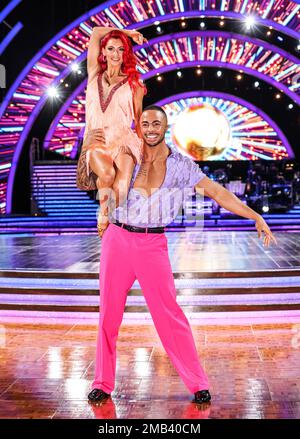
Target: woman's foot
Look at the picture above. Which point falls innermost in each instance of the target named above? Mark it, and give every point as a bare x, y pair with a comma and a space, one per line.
102, 224
101, 228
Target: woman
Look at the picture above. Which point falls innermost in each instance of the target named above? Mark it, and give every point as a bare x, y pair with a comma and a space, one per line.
114, 99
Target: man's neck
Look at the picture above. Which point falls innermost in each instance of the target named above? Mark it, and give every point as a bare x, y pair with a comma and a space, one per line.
157, 152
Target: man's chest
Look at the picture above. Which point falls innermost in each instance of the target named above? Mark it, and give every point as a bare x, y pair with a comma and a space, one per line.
150, 176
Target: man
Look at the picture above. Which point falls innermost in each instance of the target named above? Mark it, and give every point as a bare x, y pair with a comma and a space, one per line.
134, 246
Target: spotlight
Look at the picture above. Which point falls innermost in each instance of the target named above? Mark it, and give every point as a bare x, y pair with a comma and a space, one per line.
239, 77
179, 74
219, 73
256, 84
157, 23
183, 24
159, 78
75, 67
250, 22
199, 71
278, 96
202, 24
265, 208
222, 23
290, 106
269, 33
279, 38
159, 30
298, 47
52, 92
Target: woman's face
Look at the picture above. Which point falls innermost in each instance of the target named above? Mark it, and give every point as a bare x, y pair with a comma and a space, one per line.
114, 51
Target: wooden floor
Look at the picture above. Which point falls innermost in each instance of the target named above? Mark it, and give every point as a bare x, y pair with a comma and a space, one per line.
193, 251
47, 365
46, 372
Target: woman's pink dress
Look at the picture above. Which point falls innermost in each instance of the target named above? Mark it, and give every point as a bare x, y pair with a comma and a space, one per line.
114, 114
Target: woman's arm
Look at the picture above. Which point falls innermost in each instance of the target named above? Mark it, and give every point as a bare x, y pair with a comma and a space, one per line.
94, 49
94, 45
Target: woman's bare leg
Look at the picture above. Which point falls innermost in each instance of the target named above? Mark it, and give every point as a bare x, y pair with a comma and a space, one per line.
125, 164
102, 165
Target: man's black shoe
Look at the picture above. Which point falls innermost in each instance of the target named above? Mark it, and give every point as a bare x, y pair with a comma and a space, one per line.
97, 395
202, 396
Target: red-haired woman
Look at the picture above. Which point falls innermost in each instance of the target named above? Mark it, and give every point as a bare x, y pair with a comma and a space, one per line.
114, 100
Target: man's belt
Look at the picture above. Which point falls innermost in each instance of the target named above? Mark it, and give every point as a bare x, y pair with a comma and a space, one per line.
140, 229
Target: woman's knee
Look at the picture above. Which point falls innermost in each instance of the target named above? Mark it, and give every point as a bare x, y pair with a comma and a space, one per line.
107, 178
103, 168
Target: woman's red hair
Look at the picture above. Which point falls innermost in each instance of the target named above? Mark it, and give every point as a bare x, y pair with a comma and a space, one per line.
129, 59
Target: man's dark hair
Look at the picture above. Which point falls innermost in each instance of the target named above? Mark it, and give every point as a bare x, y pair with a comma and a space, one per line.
156, 108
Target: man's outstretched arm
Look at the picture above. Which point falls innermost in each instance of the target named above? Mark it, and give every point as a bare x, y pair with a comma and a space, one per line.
232, 203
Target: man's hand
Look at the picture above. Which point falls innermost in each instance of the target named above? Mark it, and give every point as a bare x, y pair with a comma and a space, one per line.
262, 226
94, 139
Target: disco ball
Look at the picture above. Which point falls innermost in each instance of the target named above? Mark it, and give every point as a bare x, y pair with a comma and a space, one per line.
202, 131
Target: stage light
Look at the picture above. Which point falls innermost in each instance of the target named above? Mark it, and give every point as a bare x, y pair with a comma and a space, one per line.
219, 73
179, 74
157, 23
298, 47
202, 24
269, 33
278, 96
158, 30
198, 71
159, 78
239, 77
250, 22
222, 23
183, 24
52, 92
265, 208
74, 67
290, 106
279, 38
256, 84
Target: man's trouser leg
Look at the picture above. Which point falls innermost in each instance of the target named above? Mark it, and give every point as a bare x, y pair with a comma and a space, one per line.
154, 273
116, 278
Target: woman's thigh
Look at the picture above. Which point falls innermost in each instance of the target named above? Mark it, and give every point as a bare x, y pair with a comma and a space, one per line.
124, 168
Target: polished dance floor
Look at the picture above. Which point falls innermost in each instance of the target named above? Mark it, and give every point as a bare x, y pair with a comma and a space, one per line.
242, 300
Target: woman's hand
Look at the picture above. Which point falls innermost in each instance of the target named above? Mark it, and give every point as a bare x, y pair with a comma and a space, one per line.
94, 139
136, 36
262, 226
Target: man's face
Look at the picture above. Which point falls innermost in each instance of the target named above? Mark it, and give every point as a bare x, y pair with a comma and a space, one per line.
153, 126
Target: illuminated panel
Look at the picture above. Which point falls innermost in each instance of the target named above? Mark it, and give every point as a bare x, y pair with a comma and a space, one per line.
217, 47
207, 50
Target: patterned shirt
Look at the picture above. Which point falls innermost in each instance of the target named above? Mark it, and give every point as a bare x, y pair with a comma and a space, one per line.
162, 206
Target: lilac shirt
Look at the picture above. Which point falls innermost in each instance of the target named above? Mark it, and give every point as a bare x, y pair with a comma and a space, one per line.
162, 206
